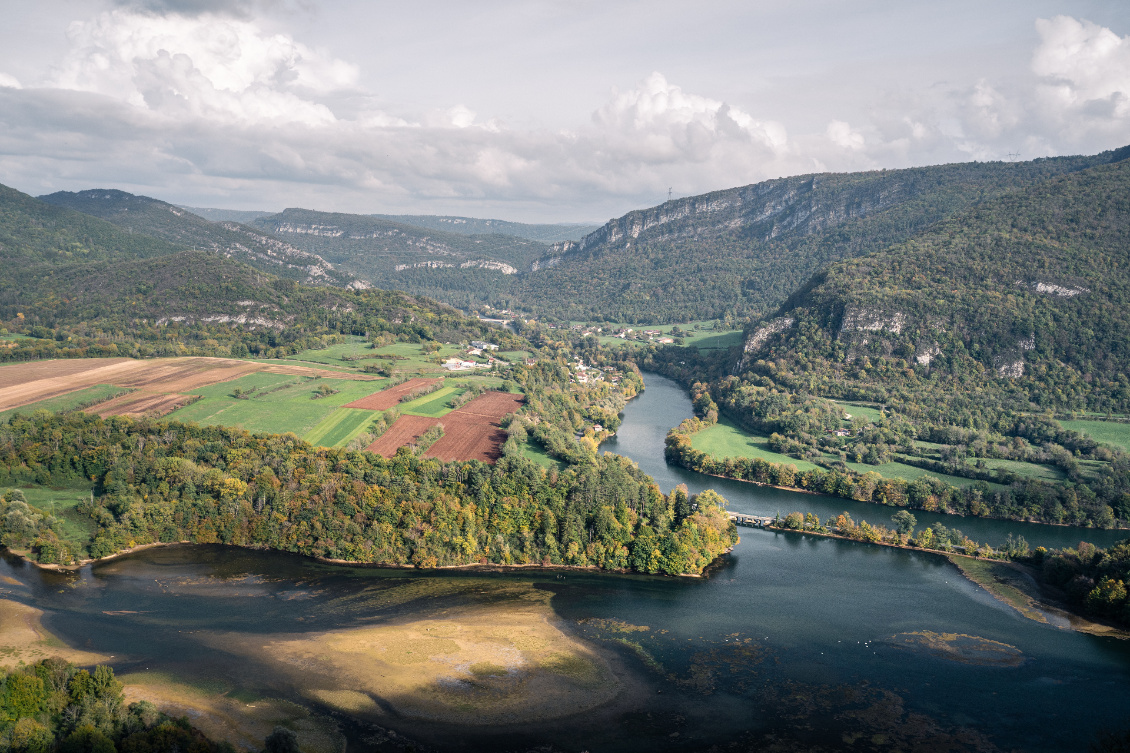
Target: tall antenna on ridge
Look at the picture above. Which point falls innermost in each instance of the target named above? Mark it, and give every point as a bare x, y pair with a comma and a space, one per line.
1013, 156
668, 194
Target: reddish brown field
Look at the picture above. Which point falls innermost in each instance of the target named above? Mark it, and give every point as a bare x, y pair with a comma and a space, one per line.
141, 404
470, 433
406, 430
390, 398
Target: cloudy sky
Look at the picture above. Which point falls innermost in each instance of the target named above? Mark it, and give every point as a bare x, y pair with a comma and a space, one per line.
564, 110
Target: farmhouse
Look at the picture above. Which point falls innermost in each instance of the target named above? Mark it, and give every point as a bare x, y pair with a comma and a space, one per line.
483, 345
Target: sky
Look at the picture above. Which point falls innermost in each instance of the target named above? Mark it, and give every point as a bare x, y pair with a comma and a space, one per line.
538, 111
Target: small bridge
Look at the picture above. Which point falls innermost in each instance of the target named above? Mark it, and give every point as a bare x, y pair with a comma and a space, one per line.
750, 521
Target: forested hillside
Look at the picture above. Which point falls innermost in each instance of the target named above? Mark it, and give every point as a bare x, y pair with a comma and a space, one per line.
141, 214
1026, 296
81, 286
32, 232
743, 251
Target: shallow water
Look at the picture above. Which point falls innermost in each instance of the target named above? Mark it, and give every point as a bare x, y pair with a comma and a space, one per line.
811, 641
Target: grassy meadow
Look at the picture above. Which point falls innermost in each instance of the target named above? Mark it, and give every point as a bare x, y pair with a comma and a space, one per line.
1106, 432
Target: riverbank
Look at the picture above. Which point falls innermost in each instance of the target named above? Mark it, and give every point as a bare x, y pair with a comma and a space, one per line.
1011, 583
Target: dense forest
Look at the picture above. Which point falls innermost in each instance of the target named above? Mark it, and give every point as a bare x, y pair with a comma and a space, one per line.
55, 706
168, 482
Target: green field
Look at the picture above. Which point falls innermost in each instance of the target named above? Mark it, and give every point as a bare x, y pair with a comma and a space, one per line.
855, 409
434, 404
338, 428
70, 401
61, 502
1106, 432
532, 450
280, 404
725, 440
1028, 470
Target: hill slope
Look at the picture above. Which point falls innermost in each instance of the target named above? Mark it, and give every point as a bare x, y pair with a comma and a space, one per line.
1027, 294
400, 256
34, 232
141, 214
83, 286
743, 251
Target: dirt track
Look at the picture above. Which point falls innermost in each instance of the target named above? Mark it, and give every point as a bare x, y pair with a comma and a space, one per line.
470, 433
390, 398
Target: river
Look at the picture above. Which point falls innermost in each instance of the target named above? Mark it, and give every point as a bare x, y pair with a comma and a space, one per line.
791, 639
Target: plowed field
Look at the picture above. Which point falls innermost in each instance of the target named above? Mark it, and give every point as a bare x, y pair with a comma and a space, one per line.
406, 430
141, 404
470, 433
390, 398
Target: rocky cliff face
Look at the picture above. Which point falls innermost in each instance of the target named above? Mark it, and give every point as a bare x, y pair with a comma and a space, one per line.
800, 205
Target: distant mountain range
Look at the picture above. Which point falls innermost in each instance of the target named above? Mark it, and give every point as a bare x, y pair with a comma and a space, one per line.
164, 221
84, 283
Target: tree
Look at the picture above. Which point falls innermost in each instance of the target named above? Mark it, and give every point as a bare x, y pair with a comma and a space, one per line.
282, 740
904, 522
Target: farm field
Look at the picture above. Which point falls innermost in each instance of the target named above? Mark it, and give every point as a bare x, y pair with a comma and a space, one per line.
470, 433
72, 400
865, 411
141, 403
22, 384
406, 430
1106, 432
278, 403
390, 398
411, 359
1028, 470
434, 404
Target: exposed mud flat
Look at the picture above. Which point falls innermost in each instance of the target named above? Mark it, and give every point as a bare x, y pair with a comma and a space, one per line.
468, 664
959, 647
23, 639
244, 722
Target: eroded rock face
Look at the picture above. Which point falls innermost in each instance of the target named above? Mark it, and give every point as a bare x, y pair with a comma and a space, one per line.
1011, 369
926, 356
769, 209
761, 335
866, 319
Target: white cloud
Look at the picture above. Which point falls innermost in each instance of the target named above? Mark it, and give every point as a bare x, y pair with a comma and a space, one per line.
184, 106
204, 66
1084, 65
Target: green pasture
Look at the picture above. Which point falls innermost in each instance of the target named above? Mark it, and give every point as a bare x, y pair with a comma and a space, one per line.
1104, 432
1025, 470
865, 411
532, 450
61, 503
279, 404
71, 401
338, 428
432, 405
726, 440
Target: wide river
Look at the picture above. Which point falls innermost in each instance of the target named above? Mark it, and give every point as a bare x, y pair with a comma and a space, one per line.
792, 639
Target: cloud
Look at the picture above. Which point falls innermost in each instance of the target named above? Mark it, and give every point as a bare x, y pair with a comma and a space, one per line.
207, 66
188, 105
